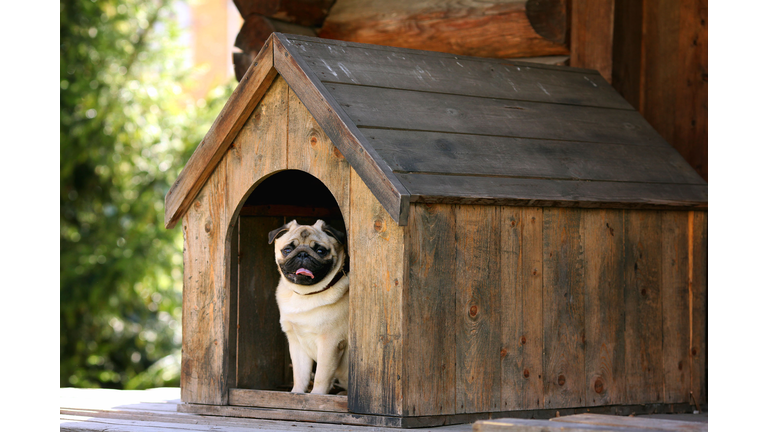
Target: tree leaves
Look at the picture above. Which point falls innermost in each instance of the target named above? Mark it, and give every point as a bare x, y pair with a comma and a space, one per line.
127, 128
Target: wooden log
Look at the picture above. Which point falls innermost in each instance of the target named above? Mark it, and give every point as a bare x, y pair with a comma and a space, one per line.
478, 318
603, 242
550, 19
592, 35
563, 321
429, 332
642, 299
218, 139
253, 35
521, 324
310, 13
497, 30
675, 307
377, 276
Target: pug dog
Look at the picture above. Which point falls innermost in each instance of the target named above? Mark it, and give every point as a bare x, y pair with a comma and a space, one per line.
313, 298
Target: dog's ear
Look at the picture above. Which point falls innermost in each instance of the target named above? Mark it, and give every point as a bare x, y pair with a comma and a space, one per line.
340, 236
275, 233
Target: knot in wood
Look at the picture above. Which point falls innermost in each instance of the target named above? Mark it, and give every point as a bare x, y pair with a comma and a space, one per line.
208, 226
378, 225
503, 353
643, 292
526, 374
337, 153
598, 386
561, 380
313, 141
473, 311
522, 340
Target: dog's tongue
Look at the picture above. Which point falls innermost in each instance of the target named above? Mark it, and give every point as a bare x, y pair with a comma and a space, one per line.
305, 272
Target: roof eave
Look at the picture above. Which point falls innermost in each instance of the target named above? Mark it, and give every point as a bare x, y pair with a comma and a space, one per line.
225, 128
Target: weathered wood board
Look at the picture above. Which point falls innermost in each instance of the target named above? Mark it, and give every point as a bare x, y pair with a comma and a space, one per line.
429, 331
603, 234
563, 322
521, 325
478, 318
377, 277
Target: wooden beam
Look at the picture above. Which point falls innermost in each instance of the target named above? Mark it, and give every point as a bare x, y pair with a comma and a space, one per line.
660, 66
497, 30
592, 35
214, 145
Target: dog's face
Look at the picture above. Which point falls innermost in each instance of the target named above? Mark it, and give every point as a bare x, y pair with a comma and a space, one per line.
306, 254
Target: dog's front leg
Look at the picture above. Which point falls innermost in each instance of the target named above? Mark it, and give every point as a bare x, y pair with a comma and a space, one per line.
302, 364
328, 355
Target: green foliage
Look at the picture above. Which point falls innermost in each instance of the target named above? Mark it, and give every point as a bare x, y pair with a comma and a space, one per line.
127, 128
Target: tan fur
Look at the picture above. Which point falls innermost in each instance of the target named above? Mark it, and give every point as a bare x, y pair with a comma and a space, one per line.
316, 324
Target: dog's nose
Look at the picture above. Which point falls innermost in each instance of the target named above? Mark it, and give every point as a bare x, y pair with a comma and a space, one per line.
302, 255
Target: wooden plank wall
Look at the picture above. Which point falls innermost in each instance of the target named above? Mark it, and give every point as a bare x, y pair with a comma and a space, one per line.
279, 134
546, 308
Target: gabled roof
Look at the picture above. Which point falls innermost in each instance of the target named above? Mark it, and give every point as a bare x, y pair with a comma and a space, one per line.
421, 126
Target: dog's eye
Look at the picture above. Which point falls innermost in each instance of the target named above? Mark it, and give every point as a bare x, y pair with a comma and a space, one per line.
287, 250
321, 251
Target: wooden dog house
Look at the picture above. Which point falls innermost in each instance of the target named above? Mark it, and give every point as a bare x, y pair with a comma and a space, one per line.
521, 241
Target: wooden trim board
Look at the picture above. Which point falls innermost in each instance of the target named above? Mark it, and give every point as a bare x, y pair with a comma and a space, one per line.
287, 400
216, 142
422, 421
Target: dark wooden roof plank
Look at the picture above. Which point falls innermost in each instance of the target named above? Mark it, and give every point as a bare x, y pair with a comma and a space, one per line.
432, 152
547, 192
407, 51
405, 109
412, 70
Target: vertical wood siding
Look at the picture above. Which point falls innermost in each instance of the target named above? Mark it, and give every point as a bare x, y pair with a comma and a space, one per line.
377, 277
592, 308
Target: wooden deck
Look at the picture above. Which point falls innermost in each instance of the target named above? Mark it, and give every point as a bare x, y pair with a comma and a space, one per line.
156, 410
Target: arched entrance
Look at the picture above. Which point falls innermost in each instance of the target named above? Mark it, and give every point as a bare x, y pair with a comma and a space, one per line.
258, 348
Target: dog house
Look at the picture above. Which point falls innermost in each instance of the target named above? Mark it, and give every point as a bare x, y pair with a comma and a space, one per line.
521, 241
